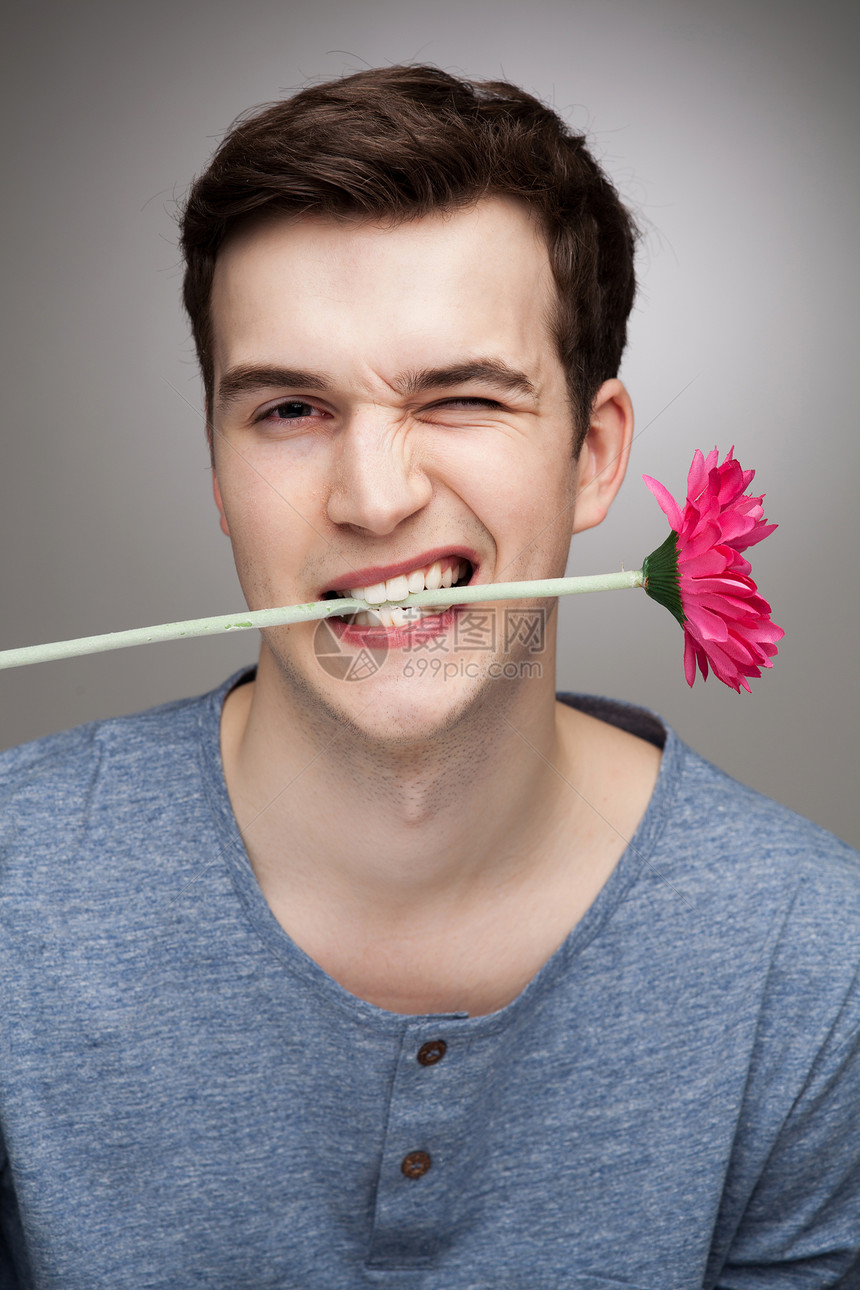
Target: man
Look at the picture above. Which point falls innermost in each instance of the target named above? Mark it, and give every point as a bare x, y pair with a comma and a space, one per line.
431, 978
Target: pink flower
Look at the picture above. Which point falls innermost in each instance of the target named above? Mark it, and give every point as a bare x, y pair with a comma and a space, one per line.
700, 574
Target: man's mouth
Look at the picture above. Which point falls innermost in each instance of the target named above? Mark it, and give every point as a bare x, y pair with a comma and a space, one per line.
449, 571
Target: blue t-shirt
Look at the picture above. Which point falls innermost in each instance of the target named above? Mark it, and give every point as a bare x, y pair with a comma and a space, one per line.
188, 1100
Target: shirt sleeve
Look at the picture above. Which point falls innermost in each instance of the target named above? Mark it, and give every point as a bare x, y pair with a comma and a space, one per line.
801, 1226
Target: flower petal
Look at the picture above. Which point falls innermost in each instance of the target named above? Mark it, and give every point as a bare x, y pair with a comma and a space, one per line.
693, 654
727, 624
708, 626
667, 503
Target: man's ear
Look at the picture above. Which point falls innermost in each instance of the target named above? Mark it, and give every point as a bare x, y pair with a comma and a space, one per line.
216, 491
604, 454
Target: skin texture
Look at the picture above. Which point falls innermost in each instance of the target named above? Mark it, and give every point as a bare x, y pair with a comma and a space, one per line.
429, 839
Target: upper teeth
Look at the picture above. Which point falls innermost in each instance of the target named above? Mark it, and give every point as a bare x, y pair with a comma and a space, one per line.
443, 573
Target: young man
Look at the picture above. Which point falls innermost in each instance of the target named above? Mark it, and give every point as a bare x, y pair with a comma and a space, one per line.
415, 974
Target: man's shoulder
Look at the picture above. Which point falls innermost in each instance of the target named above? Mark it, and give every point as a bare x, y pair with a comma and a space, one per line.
119, 759
71, 754
755, 889
729, 822
741, 896
720, 834
97, 823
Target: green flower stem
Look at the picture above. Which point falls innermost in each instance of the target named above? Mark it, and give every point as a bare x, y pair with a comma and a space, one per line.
485, 594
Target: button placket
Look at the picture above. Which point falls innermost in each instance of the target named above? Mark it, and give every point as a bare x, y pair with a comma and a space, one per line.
417, 1163
412, 1211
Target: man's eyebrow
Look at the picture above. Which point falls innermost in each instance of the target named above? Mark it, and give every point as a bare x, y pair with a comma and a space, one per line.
246, 378
491, 370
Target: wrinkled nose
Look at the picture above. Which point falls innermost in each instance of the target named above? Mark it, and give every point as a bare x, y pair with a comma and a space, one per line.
377, 482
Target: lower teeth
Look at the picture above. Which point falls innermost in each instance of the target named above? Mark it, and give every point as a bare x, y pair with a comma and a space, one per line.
394, 617
399, 615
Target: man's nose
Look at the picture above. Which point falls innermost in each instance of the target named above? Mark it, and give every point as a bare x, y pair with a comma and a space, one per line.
377, 480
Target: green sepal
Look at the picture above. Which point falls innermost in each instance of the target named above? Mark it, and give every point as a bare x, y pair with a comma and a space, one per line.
661, 577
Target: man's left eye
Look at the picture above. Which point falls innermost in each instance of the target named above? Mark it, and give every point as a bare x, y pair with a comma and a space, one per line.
469, 403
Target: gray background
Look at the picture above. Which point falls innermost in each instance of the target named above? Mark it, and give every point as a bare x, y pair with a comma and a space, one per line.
732, 130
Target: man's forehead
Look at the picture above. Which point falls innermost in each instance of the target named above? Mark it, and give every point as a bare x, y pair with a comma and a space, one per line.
433, 292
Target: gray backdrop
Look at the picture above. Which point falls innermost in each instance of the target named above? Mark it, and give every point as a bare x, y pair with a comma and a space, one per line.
731, 128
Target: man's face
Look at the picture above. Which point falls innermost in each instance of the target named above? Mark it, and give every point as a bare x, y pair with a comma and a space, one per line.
386, 398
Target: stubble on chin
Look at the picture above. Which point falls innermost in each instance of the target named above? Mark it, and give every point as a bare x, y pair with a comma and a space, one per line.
374, 723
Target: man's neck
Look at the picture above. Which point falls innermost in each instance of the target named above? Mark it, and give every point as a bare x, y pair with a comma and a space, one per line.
392, 825
498, 833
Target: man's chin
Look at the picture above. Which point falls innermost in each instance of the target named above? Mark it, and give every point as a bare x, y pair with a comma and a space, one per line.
403, 722
394, 706
401, 716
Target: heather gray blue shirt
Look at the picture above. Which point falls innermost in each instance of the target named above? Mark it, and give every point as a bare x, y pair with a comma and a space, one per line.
188, 1100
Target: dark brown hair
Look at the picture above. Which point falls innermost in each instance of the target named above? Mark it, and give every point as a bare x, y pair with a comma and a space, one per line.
397, 143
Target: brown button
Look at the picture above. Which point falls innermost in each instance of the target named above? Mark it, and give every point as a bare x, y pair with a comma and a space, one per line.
416, 1164
431, 1053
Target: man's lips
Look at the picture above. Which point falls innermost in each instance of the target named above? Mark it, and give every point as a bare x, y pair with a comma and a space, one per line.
371, 575
422, 629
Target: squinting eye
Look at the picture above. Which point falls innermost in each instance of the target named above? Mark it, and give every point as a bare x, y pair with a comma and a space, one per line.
469, 403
